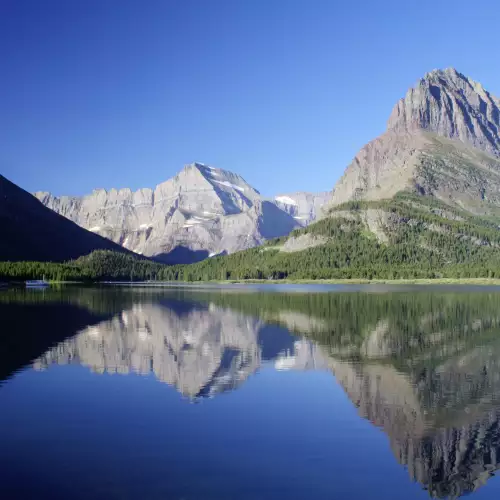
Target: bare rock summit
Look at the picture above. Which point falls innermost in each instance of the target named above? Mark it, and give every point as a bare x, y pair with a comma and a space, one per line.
450, 105
442, 140
201, 212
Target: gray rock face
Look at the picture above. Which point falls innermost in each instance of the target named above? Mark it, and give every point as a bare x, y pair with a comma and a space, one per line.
200, 212
451, 105
302, 242
303, 207
442, 139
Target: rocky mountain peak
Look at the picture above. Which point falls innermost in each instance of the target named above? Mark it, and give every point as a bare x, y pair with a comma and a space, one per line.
200, 212
442, 139
223, 180
451, 105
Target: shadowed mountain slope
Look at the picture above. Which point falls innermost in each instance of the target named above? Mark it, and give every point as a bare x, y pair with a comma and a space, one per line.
31, 231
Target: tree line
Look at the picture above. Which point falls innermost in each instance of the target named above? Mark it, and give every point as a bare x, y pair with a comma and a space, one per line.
426, 239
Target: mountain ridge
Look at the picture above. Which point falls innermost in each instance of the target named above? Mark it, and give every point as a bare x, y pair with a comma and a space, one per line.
420, 201
432, 181
200, 212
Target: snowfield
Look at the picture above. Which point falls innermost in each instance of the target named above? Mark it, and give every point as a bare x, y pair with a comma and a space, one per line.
228, 184
286, 200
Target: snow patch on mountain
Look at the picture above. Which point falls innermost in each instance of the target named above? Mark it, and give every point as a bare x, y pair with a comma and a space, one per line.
228, 184
200, 211
286, 200
303, 207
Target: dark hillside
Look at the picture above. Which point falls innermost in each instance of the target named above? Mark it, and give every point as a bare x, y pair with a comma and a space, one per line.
31, 231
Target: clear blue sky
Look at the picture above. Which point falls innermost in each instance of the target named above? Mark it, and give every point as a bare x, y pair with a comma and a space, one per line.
115, 93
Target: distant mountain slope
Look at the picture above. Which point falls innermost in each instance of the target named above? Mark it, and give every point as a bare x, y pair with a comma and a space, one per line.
409, 236
302, 206
202, 211
30, 231
442, 139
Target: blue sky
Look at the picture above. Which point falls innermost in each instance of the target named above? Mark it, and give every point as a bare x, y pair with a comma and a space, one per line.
123, 93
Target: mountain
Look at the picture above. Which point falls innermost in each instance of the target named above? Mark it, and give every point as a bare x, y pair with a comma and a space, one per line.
303, 207
442, 139
451, 105
201, 212
32, 232
420, 201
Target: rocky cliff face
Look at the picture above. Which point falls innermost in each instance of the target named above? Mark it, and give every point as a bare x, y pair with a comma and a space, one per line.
303, 207
202, 211
442, 139
450, 105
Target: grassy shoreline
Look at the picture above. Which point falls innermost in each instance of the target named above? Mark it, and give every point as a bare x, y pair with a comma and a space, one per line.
354, 281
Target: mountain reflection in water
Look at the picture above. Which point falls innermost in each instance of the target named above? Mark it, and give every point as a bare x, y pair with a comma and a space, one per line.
424, 366
201, 351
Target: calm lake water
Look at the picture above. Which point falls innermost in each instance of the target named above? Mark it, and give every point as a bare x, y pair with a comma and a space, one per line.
250, 393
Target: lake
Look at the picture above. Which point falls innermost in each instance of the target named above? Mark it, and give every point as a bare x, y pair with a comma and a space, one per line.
250, 392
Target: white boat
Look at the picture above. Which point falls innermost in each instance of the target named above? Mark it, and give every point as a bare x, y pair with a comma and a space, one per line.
37, 284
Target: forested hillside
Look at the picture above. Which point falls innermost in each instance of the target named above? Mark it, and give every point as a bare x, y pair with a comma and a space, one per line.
408, 236
101, 265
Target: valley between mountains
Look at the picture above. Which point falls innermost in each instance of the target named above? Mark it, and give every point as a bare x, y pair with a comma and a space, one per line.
420, 201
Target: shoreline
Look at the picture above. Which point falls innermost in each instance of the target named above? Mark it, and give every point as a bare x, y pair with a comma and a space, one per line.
354, 281
419, 281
